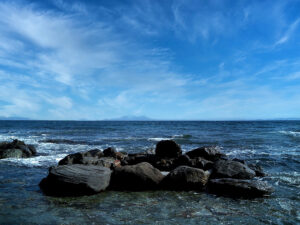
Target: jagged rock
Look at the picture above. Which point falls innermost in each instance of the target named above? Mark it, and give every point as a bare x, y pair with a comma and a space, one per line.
211, 153
142, 176
168, 149
232, 169
78, 158
240, 188
186, 178
16, 149
76, 179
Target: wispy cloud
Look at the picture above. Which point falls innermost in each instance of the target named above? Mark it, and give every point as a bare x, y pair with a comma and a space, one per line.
290, 31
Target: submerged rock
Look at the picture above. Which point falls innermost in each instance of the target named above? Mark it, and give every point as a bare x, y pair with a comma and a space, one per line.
211, 153
240, 188
142, 176
78, 158
232, 169
16, 149
186, 178
168, 149
76, 179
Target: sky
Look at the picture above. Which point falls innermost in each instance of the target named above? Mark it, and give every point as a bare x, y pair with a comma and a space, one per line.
169, 60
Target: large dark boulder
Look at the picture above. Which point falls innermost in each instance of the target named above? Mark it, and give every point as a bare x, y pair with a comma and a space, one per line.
239, 188
168, 149
139, 177
76, 179
201, 163
16, 149
110, 152
186, 178
211, 153
232, 169
259, 172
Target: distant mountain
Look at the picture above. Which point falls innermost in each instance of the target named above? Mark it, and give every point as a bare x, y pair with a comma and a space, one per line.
13, 118
131, 118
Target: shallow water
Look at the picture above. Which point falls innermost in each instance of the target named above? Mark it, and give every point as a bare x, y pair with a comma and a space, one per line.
275, 145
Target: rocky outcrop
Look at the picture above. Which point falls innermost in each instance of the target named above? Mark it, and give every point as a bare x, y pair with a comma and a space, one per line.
167, 149
186, 178
142, 176
16, 149
232, 169
93, 171
240, 188
76, 179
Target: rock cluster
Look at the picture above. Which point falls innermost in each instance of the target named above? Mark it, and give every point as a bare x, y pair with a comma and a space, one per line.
166, 168
16, 149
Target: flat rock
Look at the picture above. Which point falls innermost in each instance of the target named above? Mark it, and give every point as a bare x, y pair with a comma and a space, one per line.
76, 179
186, 178
232, 169
142, 176
211, 153
167, 149
16, 149
240, 188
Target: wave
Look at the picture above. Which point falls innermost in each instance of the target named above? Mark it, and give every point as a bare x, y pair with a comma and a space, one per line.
38, 161
158, 139
63, 141
182, 136
174, 137
291, 133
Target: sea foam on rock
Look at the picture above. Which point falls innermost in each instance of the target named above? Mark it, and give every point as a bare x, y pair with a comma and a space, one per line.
16, 149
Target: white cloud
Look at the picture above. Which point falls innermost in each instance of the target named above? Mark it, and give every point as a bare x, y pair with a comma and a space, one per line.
290, 31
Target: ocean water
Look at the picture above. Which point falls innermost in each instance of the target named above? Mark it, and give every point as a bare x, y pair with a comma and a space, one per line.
275, 145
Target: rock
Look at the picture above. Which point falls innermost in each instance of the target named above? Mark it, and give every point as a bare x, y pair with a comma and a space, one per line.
240, 188
186, 178
16, 149
142, 176
133, 159
73, 180
165, 164
78, 158
259, 172
201, 163
110, 152
183, 160
168, 149
232, 169
211, 153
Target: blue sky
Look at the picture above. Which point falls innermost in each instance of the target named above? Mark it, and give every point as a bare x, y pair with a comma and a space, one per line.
181, 59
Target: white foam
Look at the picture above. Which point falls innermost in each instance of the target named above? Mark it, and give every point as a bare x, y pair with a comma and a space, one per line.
290, 133
158, 139
37, 161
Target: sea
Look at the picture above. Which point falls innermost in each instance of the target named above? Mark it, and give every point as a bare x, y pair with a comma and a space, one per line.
275, 145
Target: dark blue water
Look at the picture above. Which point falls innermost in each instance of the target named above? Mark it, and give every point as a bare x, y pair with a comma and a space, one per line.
275, 145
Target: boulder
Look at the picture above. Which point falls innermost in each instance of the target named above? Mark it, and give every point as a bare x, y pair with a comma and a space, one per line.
142, 176
16, 149
232, 169
168, 149
239, 188
110, 152
211, 153
76, 179
186, 178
